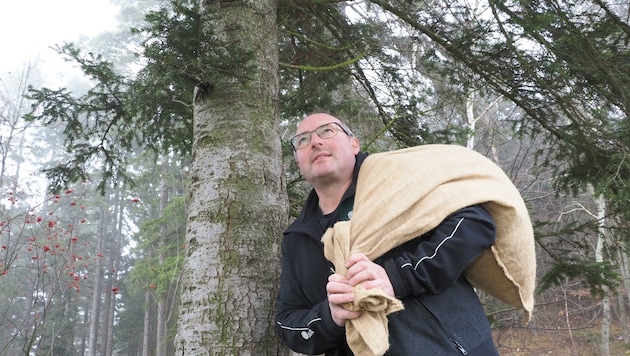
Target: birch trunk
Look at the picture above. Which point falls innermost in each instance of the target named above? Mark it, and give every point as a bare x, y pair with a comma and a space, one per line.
599, 257
238, 204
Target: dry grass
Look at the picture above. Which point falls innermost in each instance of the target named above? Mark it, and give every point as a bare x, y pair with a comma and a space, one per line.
514, 341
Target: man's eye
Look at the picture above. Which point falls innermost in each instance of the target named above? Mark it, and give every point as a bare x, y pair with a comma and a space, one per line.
302, 140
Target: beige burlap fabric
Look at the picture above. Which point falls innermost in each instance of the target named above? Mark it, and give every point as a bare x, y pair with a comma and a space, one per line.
405, 193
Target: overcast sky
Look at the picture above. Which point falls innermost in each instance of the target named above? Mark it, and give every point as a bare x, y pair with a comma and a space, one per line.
29, 27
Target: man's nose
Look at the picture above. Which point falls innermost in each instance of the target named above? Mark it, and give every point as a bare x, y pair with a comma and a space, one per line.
316, 140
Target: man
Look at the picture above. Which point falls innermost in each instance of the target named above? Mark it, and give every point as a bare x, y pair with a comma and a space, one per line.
442, 314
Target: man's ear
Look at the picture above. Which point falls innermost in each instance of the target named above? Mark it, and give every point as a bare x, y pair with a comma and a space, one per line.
356, 146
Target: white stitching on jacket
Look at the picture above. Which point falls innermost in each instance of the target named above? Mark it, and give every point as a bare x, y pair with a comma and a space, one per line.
436, 249
298, 328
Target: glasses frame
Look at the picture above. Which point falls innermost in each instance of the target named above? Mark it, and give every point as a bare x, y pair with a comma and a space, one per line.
293, 139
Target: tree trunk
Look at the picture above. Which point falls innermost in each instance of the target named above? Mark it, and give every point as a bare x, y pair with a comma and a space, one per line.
471, 119
111, 251
66, 338
622, 292
115, 254
146, 335
162, 312
84, 335
106, 306
108, 338
599, 257
623, 319
606, 321
95, 310
238, 205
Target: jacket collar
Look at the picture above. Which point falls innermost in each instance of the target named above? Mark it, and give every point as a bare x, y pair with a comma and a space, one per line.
307, 222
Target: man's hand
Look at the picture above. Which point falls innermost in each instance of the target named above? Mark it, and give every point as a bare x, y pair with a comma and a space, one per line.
367, 273
340, 289
339, 293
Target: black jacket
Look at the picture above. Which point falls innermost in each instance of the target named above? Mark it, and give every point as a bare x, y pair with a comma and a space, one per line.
442, 314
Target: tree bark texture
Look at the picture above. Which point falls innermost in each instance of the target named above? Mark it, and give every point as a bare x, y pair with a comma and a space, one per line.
600, 257
238, 204
146, 338
162, 296
95, 310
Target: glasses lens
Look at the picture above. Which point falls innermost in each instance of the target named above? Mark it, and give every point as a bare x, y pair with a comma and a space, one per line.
301, 140
327, 131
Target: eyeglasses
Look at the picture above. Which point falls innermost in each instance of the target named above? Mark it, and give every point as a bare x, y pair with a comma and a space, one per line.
325, 132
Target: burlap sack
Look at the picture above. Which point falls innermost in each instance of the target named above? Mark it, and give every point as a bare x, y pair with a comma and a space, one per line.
403, 194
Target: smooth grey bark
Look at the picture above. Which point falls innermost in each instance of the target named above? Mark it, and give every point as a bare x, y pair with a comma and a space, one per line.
162, 303
602, 240
623, 290
95, 310
146, 334
238, 203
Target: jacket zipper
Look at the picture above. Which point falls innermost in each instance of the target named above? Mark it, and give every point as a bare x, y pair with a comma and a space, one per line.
458, 345
437, 322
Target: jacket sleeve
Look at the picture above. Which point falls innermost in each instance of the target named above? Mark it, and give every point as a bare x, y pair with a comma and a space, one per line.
303, 321
434, 261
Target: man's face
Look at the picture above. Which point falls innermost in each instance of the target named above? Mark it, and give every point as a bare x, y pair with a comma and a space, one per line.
325, 161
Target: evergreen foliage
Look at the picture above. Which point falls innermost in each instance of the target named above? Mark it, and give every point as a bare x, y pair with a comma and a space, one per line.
400, 72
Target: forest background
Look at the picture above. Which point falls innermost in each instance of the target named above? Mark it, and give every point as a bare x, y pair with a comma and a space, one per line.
169, 179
